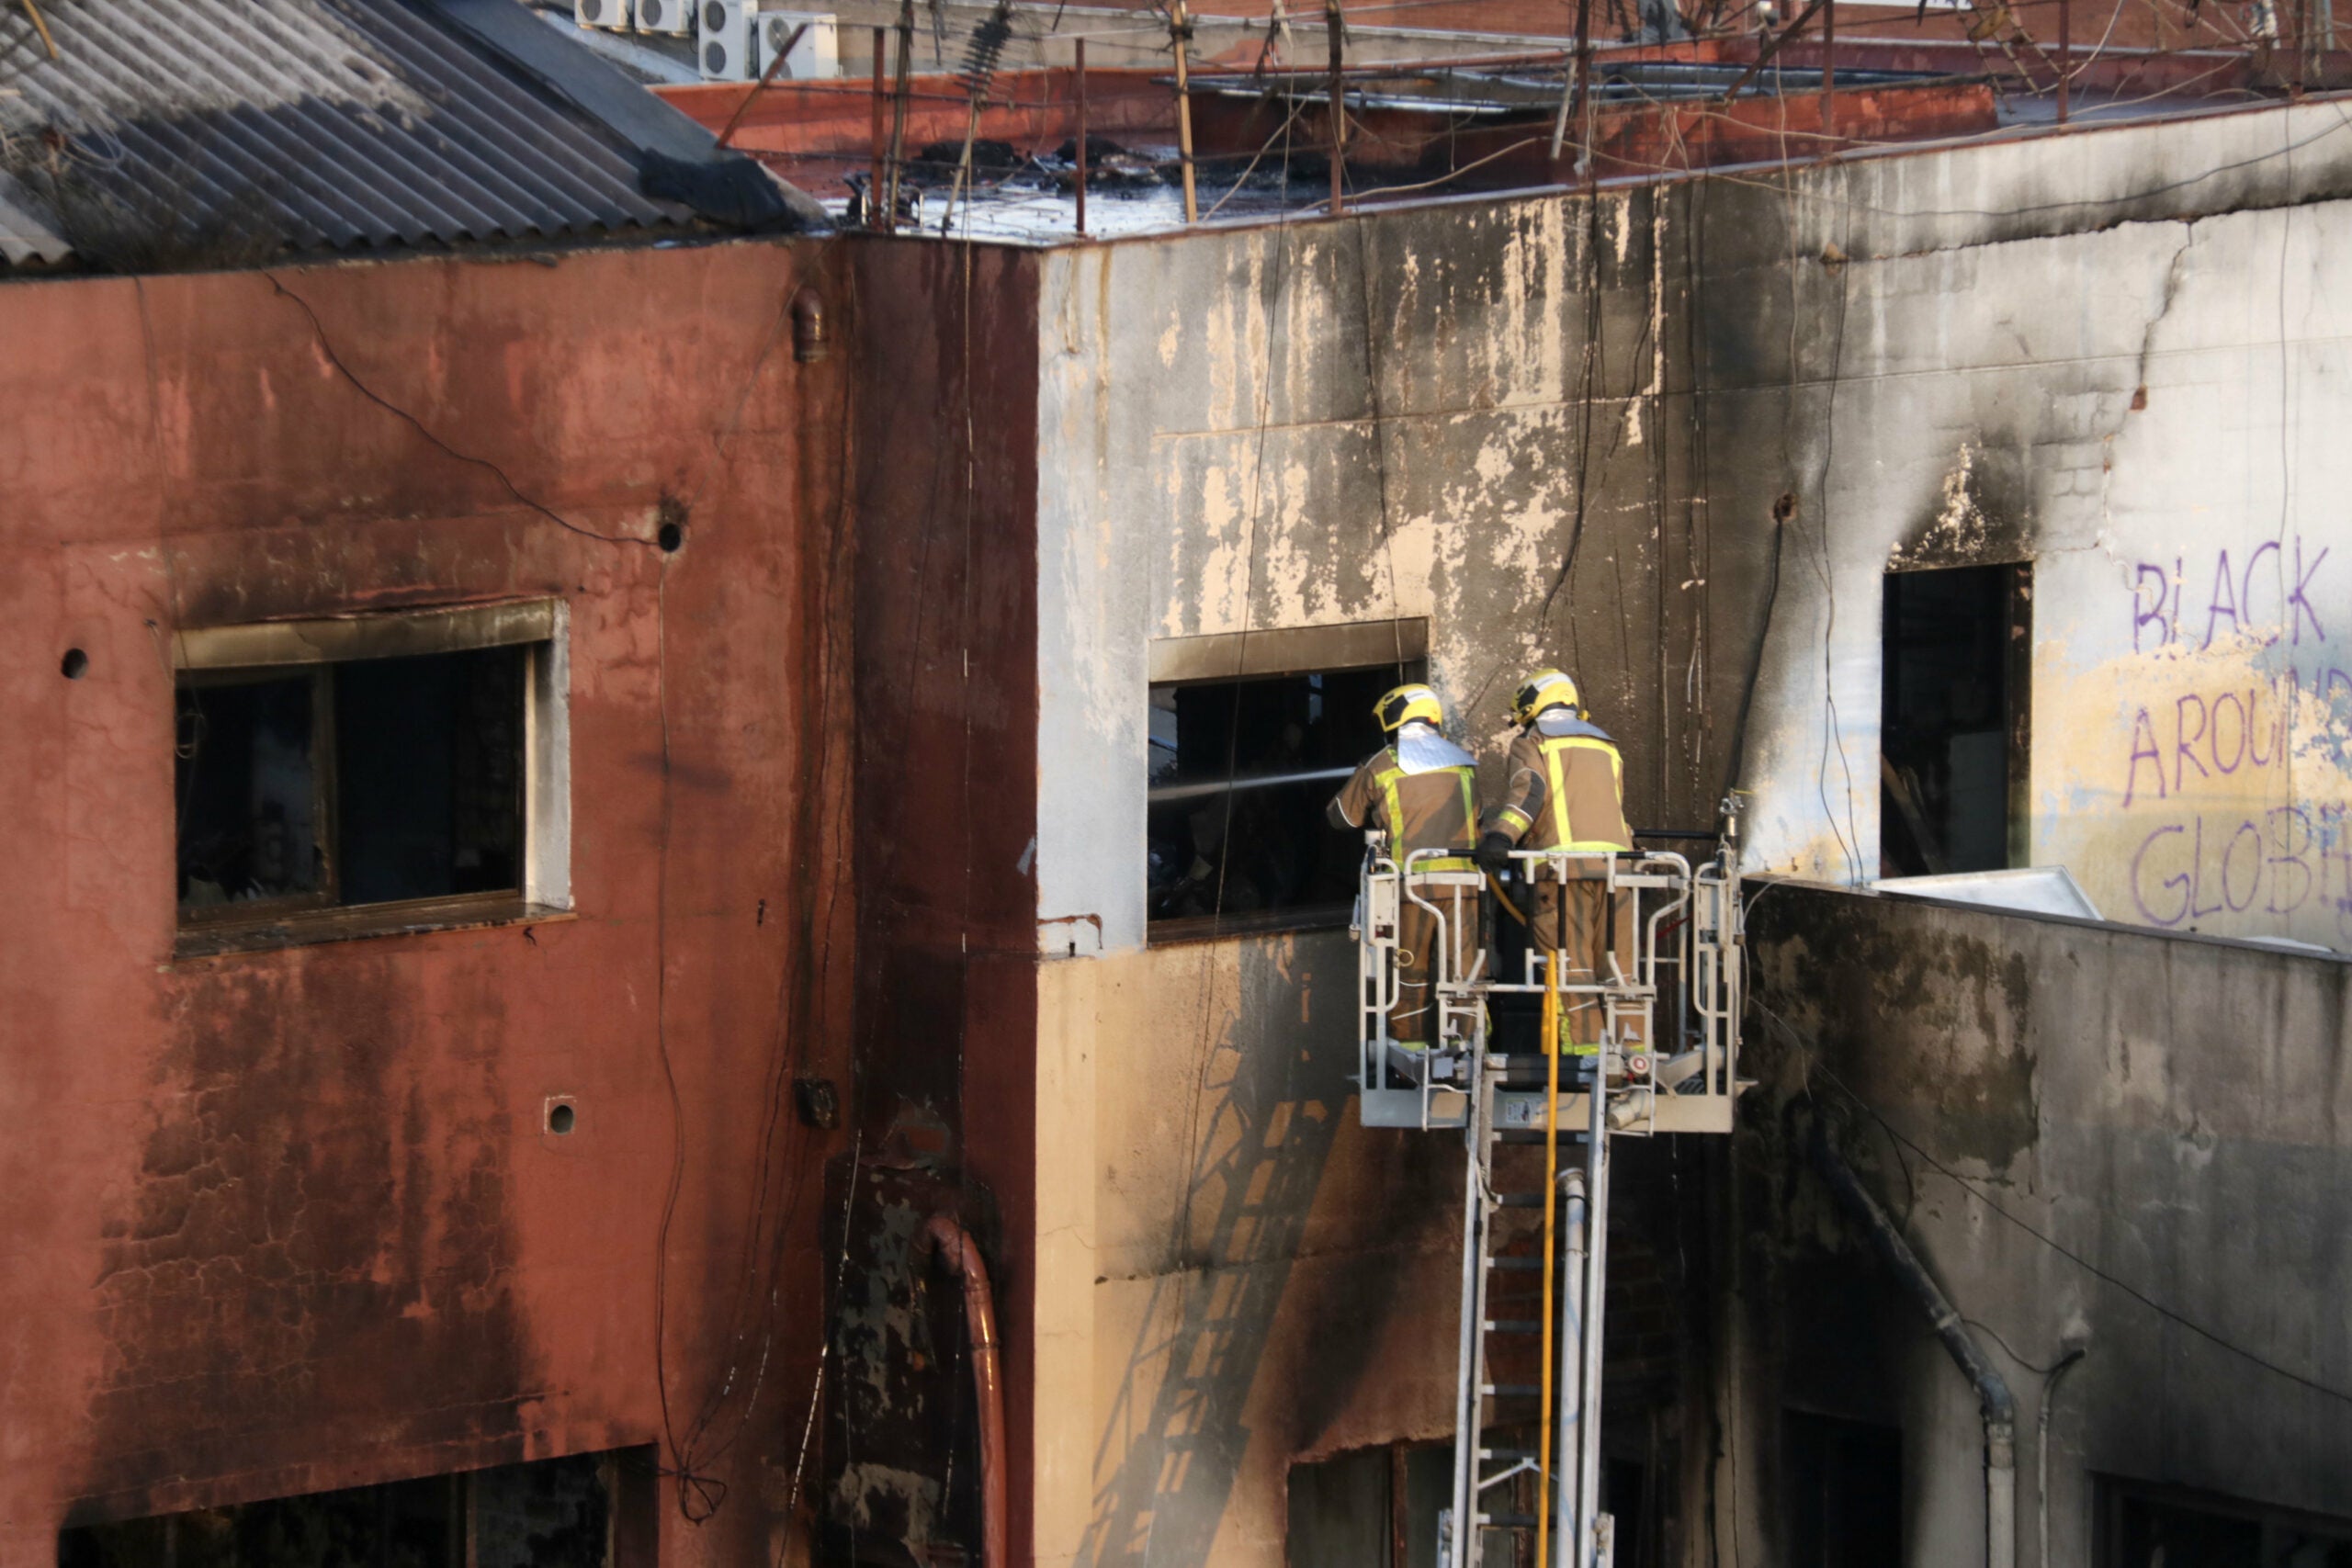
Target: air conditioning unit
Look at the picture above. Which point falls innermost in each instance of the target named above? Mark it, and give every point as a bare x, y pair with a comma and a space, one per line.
726, 43
675, 16
611, 14
810, 38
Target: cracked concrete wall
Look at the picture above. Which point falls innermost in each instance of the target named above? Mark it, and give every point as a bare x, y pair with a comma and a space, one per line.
2171, 1110
1562, 432
1340, 423
1422, 414
289, 1220
2113, 356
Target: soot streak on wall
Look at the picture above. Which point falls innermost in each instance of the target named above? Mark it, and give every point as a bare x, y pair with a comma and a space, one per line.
2171, 1110
948, 763
1428, 411
292, 1219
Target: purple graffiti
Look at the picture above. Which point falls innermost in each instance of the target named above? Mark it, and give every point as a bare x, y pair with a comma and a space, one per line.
2280, 859
2230, 600
2211, 734
2299, 605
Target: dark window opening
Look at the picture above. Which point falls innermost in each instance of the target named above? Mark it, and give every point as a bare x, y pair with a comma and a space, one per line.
363, 782
2152, 1527
1374, 1508
1844, 1482
586, 1511
1953, 720
1380, 1507
1241, 773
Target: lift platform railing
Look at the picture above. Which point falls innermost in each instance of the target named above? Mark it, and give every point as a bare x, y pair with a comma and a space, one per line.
1414, 1082
1666, 986
1645, 969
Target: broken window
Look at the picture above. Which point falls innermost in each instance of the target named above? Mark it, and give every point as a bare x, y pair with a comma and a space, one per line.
2152, 1527
1240, 772
401, 761
585, 1511
1954, 720
1844, 1484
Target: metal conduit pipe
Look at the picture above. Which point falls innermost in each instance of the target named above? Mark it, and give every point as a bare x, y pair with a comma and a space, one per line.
1567, 1462
1992, 1395
2041, 1449
962, 1255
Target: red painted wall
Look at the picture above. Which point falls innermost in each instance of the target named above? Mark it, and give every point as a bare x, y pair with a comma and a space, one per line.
289, 1220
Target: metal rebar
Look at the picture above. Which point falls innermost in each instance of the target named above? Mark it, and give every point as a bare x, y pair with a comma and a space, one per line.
1773, 47
878, 217
899, 107
766, 76
1336, 25
1081, 47
1180, 34
2065, 55
1828, 68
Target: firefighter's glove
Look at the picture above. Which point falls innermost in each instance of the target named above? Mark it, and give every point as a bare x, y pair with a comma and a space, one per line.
1494, 852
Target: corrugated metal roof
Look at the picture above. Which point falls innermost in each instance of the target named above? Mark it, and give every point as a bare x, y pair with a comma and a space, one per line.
229, 130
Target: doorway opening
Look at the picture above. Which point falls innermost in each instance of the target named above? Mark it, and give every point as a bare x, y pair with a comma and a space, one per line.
1955, 720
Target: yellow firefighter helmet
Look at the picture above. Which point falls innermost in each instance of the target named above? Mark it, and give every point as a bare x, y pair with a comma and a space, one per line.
1545, 689
1415, 701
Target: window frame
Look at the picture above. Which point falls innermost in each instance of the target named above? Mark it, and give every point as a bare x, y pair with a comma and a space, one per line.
2111, 1495
266, 650
1235, 658
2015, 577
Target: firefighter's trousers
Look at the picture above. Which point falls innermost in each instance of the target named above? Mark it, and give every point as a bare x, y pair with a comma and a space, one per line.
1413, 1019
1589, 927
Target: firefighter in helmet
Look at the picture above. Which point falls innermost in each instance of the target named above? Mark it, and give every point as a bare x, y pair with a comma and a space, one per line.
1422, 791
1565, 790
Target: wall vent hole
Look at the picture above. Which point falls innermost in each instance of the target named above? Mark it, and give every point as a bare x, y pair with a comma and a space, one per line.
560, 1119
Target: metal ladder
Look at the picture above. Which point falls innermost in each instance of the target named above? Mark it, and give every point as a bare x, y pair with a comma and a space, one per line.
1669, 1002
1563, 1520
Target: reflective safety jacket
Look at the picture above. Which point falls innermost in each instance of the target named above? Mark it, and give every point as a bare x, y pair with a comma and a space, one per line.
1565, 790
1421, 800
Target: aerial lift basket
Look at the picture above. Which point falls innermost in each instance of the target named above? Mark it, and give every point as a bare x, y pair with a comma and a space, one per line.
1665, 994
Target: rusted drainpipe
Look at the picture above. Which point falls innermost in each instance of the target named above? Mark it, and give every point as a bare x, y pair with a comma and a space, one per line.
962, 1255
1993, 1397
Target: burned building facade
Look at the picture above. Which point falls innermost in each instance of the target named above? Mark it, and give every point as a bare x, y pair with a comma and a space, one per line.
427, 1121
1761, 457
579, 807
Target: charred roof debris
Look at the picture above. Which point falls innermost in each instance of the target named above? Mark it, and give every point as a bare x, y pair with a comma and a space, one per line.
1205, 786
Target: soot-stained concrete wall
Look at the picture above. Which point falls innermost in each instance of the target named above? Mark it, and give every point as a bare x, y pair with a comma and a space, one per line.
1671, 438
2109, 354
1270, 1280
1467, 414
948, 677
2172, 1111
1353, 422
2114, 355
291, 1219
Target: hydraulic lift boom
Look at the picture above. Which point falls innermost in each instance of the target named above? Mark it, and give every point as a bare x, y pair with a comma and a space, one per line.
1665, 991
